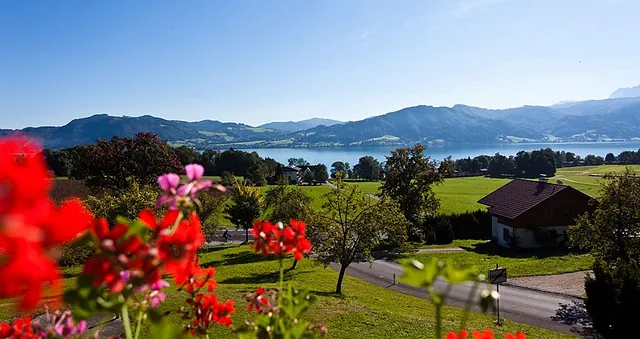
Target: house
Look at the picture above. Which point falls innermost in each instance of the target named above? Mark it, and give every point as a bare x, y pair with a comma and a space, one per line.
291, 172
534, 213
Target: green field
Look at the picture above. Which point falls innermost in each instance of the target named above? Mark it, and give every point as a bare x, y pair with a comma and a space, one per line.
364, 311
519, 263
459, 195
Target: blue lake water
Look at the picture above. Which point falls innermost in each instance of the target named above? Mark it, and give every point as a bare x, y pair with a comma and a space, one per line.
351, 154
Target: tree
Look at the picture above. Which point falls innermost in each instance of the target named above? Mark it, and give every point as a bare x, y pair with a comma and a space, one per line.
245, 207
117, 163
320, 174
188, 155
610, 158
208, 161
297, 162
369, 168
211, 211
610, 231
570, 156
501, 165
350, 223
447, 168
58, 162
227, 178
336, 167
356, 172
410, 176
307, 176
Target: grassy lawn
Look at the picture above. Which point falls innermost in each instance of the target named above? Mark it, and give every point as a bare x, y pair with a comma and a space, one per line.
364, 311
519, 263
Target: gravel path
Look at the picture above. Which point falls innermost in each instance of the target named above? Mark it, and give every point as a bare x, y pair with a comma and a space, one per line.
568, 283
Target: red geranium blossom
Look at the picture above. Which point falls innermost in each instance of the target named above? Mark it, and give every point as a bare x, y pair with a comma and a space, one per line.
486, 334
21, 329
462, 334
518, 335
31, 225
281, 240
207, 309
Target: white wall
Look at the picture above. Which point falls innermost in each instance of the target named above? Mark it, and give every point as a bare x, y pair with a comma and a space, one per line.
526, 235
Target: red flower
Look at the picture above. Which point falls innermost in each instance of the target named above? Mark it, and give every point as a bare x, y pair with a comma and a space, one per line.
30, 223
280, 240
207, 310
149, 219
519, 335
462, 334
295, 239
204, 277
263, 233
486, 334
259, 301
21, 329
178, 250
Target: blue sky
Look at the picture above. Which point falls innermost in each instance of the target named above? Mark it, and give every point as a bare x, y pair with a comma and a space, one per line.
259, 61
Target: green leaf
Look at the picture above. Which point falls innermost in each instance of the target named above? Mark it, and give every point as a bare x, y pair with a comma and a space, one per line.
166, 330
295, 302
420, 275
455, 275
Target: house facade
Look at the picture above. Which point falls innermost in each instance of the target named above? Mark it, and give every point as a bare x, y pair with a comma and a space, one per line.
532, 214
292, 173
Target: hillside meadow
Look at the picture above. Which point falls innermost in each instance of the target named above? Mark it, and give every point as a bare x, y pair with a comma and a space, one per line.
363, 311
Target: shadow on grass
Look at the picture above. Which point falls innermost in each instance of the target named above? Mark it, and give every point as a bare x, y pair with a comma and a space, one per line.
214, 248
263, 278
331, 294
576, 314
490, 248
237, 259
69, 275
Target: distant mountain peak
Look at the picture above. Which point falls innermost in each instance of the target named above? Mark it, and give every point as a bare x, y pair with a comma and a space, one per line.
629, 92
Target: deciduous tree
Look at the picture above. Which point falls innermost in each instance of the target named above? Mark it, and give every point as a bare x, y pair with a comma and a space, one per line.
245, 207
351, 223
409, 178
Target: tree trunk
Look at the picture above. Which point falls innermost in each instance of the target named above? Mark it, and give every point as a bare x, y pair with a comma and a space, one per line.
343, 268
293, 267
246, 235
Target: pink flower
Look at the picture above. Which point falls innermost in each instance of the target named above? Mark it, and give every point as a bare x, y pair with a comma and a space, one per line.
155, 295
168, 181
194, 171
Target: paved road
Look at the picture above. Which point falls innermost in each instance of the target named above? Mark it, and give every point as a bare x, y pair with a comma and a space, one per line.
525, 306
237, 236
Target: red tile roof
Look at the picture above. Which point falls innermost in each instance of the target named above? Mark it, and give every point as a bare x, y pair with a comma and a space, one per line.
518, 196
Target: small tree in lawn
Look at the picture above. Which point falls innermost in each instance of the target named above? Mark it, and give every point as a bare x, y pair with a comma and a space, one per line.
351, 223
320, 174
245, 207
409, 177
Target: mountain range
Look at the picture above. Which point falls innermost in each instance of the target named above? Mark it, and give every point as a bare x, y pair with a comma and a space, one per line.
295, 126
613, 119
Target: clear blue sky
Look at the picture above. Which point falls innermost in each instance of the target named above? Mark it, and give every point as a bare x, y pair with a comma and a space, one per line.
259, 61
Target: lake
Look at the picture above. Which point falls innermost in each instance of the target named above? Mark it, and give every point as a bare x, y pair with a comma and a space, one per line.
351, 154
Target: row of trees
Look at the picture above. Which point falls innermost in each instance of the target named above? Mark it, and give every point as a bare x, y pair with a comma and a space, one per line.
367, 168
116, 163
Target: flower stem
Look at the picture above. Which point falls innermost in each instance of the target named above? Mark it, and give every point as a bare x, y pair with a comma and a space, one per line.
125, 321
139, 324
438, 320
281, 275
465, 315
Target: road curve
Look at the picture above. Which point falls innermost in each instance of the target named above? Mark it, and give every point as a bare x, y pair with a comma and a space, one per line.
520, 305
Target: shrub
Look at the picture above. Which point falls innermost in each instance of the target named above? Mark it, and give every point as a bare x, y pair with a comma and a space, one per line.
444, 232
211, 211
613, 298
127, 203
74, 254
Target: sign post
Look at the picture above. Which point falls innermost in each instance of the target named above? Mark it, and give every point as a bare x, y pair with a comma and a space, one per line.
498, 276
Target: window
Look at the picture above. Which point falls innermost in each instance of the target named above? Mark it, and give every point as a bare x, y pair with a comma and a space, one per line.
505, 234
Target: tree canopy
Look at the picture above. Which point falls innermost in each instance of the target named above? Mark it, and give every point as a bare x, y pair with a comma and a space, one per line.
350, 224
409, 179
245, 207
